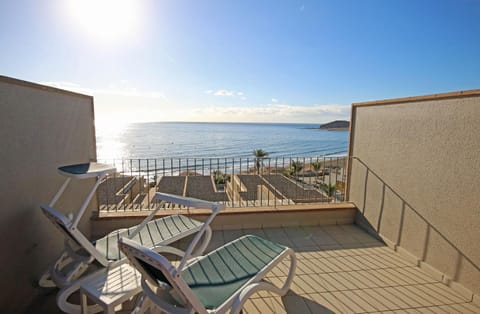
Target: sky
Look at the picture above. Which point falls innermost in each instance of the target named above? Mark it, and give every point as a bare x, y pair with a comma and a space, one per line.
241, 61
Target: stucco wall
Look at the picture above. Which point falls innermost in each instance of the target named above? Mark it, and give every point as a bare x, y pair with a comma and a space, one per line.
40, 129
415, 178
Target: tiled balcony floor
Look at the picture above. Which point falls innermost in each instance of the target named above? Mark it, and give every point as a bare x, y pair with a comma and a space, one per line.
342, 269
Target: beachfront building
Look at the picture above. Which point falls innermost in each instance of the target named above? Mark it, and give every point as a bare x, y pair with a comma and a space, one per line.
404, 239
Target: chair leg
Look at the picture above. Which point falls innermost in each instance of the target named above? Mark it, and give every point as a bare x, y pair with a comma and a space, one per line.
255, 287
46, 281
142, 305
64, 294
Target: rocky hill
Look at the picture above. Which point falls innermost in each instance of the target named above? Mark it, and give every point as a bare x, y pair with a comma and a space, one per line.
338, 125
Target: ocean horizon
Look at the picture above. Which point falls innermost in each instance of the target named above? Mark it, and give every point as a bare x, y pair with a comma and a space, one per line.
156, 140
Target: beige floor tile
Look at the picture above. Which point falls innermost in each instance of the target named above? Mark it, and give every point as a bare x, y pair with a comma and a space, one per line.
330, 265
413, 296
360, 300
325, 240
402, 298
460, 308
414, 274
429, 293
382, 299
319, 302
398, 276
357, 262
281, 270
352, 263
295, 304
407, 297
299, 243
301, 251
312, 266
345, 279
392, 297
357, 280
257, 231
430, 310
300, 287
230, 235
276, 304
316, 282
273, 233
297, 232
442, 292
316, 307
387, 277
395, 259
331, 283
216, 241
331, 250
278, 281
337, 252
249, 307
337, 303
266, 305
356, 304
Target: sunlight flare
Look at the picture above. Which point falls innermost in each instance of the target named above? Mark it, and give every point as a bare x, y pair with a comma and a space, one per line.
106, 20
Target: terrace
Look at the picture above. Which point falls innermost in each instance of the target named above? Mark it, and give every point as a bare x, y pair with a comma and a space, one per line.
393, 246
341, 269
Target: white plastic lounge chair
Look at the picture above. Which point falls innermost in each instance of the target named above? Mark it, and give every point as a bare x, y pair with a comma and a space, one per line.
81, 255
215, 283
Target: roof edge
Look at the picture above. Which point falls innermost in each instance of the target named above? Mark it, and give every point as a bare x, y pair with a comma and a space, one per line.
458, 94
16, 81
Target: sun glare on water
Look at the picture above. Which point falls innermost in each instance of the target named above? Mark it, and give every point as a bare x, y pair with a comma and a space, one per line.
106, 20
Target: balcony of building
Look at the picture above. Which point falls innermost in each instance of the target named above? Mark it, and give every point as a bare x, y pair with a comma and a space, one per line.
397, 232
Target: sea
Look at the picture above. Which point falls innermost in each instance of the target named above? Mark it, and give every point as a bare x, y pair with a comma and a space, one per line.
157, 140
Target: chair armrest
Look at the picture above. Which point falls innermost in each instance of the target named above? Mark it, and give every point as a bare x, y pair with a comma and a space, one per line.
194, 203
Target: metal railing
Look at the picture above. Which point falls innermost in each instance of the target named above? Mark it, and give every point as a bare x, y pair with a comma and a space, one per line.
235, 182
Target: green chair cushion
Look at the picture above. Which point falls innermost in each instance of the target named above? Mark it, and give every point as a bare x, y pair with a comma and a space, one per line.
221, 273
156, 232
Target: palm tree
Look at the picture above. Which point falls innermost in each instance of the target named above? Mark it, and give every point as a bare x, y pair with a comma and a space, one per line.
331, 188
297, 166
317, 165
259, 155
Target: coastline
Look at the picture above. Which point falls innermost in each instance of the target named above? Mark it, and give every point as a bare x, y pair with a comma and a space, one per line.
337, 129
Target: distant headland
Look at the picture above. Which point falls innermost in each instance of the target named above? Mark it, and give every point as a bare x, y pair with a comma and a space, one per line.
337, 125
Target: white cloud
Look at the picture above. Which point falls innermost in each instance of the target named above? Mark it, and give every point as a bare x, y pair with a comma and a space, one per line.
274, 100
272, 113
224, 93
125, 105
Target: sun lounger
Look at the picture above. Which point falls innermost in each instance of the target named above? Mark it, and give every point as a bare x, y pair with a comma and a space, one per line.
82, 258
215, 283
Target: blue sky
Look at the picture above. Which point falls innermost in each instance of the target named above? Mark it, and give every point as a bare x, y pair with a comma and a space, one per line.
249, 61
